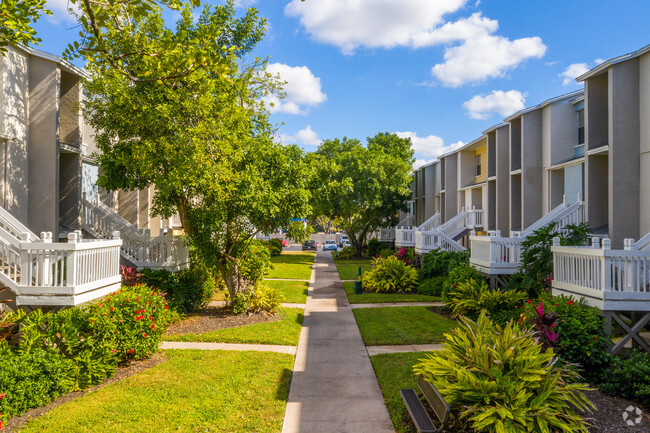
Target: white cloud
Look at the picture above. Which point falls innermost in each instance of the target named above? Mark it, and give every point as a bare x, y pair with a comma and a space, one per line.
474, 55
428, 148
573, 71
302, 88
349, 24
485, 56
60, 11
305, 136
244, 3
503, 103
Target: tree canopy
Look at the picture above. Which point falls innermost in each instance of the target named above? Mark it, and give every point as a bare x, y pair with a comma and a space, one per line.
361, 187
203, 139
16, 20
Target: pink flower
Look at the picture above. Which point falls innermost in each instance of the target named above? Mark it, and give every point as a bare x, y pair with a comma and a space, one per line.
2, 396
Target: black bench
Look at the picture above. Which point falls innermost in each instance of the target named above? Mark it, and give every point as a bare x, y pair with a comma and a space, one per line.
419, 415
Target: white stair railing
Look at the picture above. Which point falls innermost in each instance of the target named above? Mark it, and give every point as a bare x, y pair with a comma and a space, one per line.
13, 227
564, 214
643, 244
431, 223
163, 251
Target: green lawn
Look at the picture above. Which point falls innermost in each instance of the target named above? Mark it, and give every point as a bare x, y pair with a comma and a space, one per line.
293, 291
207, 391
349, 269
373, 298
395, 371
284, 332
292, 265
401, 325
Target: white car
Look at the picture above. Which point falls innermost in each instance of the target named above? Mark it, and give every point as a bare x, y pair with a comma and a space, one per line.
330, 245
346, 243
344, 239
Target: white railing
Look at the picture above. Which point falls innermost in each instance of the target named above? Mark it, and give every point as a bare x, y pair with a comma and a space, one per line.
430, 240
643, 243
495, 254
431, 223
409, 221
44, 273
13, 227
386, 234
565, 214
607, 279
141, 249
404, 237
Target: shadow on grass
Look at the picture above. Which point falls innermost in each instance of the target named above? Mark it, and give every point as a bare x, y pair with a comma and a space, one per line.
294, 259
284, 383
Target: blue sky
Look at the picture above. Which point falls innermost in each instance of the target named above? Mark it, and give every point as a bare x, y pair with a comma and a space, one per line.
438, 71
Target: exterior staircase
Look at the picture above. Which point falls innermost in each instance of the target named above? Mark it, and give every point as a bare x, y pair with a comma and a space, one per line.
36, 272
497, 255
445, 236
405, 232
139, 248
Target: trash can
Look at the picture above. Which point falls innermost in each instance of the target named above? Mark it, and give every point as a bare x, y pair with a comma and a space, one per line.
357, 288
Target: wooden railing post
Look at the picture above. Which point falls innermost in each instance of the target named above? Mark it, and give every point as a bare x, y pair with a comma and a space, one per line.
606, 266
71, 263
25, 262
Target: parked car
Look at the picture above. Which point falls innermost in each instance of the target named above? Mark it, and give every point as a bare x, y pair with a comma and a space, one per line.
330, 246
346, 243
344, 239
309, 245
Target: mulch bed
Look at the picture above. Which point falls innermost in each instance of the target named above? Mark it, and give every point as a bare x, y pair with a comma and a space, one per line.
214, 318
608, 418
135, 367
441, 312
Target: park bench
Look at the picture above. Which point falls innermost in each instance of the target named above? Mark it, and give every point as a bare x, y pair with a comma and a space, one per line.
418, 412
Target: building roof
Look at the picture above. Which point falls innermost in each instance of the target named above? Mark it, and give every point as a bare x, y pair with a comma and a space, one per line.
63, 63
607, 63
571, 95
495, 127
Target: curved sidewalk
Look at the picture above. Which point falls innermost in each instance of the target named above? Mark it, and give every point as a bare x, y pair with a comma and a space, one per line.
334, 387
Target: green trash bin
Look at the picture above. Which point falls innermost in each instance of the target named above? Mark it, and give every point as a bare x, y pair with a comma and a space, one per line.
357, 288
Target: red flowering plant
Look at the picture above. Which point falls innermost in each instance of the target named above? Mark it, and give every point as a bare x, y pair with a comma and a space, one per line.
130, 276
406, 255
137, 317
577, 330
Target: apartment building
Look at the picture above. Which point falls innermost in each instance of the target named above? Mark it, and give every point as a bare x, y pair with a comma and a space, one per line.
590, 147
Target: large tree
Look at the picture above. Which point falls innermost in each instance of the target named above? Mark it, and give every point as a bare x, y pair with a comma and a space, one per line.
361, 187
203, 139
16, 20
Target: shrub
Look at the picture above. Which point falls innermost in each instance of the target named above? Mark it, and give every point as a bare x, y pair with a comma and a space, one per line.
256, 262
32, 379
498, 379
471, 297
346, 253
537, 259
265, 298
374, 247
431, 286
275, 247
407, 255
241, 303
459, 274
440, 263
185, 291
629, 377
390, 275
581, 337
130, 276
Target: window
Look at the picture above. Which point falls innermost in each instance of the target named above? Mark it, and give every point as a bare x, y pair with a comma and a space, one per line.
581, 126
477, 164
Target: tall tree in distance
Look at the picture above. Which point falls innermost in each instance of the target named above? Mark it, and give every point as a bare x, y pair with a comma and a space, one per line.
203, 139
362, 188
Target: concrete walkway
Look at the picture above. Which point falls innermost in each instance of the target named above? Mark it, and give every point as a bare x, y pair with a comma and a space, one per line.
291, 350
334, 388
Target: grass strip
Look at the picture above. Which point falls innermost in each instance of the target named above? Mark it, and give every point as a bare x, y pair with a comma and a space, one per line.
373, 298
395, 371
213, 391
401, 325
349, 269
292, 265
293, 291
285, 332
